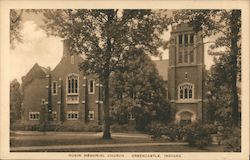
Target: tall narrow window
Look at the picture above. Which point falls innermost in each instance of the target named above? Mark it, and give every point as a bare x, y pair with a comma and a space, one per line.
190, 94
69, 86
186, 39
180, 57
185, 93
180, 39
181, 94
191, 38
73, 84
76, 86
91, 86
185, 57
54, 88
72, 89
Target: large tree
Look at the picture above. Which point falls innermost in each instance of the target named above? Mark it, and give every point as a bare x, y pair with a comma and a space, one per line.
15, 27
225, 25
107, 38
219, 97
141, 90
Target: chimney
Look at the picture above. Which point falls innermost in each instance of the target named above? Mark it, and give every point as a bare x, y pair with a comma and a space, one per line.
66, 47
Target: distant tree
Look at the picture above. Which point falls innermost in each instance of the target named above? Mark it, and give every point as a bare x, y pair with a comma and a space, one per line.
107, 38
140, 90
15, 101
226, 25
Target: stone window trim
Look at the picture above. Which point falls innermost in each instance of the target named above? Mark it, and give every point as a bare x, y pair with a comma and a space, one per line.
91, 115
72, 115
91, 86
34, 115
54, 88
186, 91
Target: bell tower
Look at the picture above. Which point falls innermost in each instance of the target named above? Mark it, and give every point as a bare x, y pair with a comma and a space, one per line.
186, 72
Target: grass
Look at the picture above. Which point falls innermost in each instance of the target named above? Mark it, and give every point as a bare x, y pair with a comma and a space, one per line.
177, 148
54, 139
51, 140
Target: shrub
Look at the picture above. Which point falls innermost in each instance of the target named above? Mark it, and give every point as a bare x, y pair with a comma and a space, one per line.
142, 120
232, 139
200, 134
172, 131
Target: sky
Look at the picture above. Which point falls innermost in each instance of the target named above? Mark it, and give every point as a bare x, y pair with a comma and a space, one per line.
37, 47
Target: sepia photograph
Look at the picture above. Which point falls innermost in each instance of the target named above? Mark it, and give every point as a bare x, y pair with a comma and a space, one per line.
126, 83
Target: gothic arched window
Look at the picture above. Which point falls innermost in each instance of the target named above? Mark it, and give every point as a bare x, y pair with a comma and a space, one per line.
186, 91
72, 84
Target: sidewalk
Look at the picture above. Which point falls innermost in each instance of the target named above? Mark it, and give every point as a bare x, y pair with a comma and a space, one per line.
36, 148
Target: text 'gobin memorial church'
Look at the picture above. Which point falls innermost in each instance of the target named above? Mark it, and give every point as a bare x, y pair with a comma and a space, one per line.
76, 99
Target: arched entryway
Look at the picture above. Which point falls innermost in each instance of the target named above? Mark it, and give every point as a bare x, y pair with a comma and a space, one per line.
185, 117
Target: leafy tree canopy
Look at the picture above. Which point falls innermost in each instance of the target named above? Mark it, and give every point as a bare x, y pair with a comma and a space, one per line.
107, 38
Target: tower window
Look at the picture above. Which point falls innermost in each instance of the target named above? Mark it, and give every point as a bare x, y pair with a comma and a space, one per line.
191, 38
186, 39
185, 91
180, 39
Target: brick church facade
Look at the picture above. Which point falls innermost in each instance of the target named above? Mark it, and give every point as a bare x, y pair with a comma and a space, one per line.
73, 98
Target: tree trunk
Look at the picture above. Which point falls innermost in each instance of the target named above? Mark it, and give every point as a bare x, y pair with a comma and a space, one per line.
235, 17
106, 124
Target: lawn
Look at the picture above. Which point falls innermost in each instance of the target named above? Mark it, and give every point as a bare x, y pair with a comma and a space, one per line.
67, 139
71, 139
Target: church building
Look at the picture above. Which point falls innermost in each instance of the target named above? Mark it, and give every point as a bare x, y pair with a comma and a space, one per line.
73, 98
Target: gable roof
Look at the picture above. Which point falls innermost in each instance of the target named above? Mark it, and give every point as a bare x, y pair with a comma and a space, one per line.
35, 72
162, 67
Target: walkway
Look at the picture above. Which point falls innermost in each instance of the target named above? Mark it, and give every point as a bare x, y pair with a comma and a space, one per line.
35, 148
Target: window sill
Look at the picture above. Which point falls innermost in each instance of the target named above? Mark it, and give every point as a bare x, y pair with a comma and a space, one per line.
72, 102
186, 101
